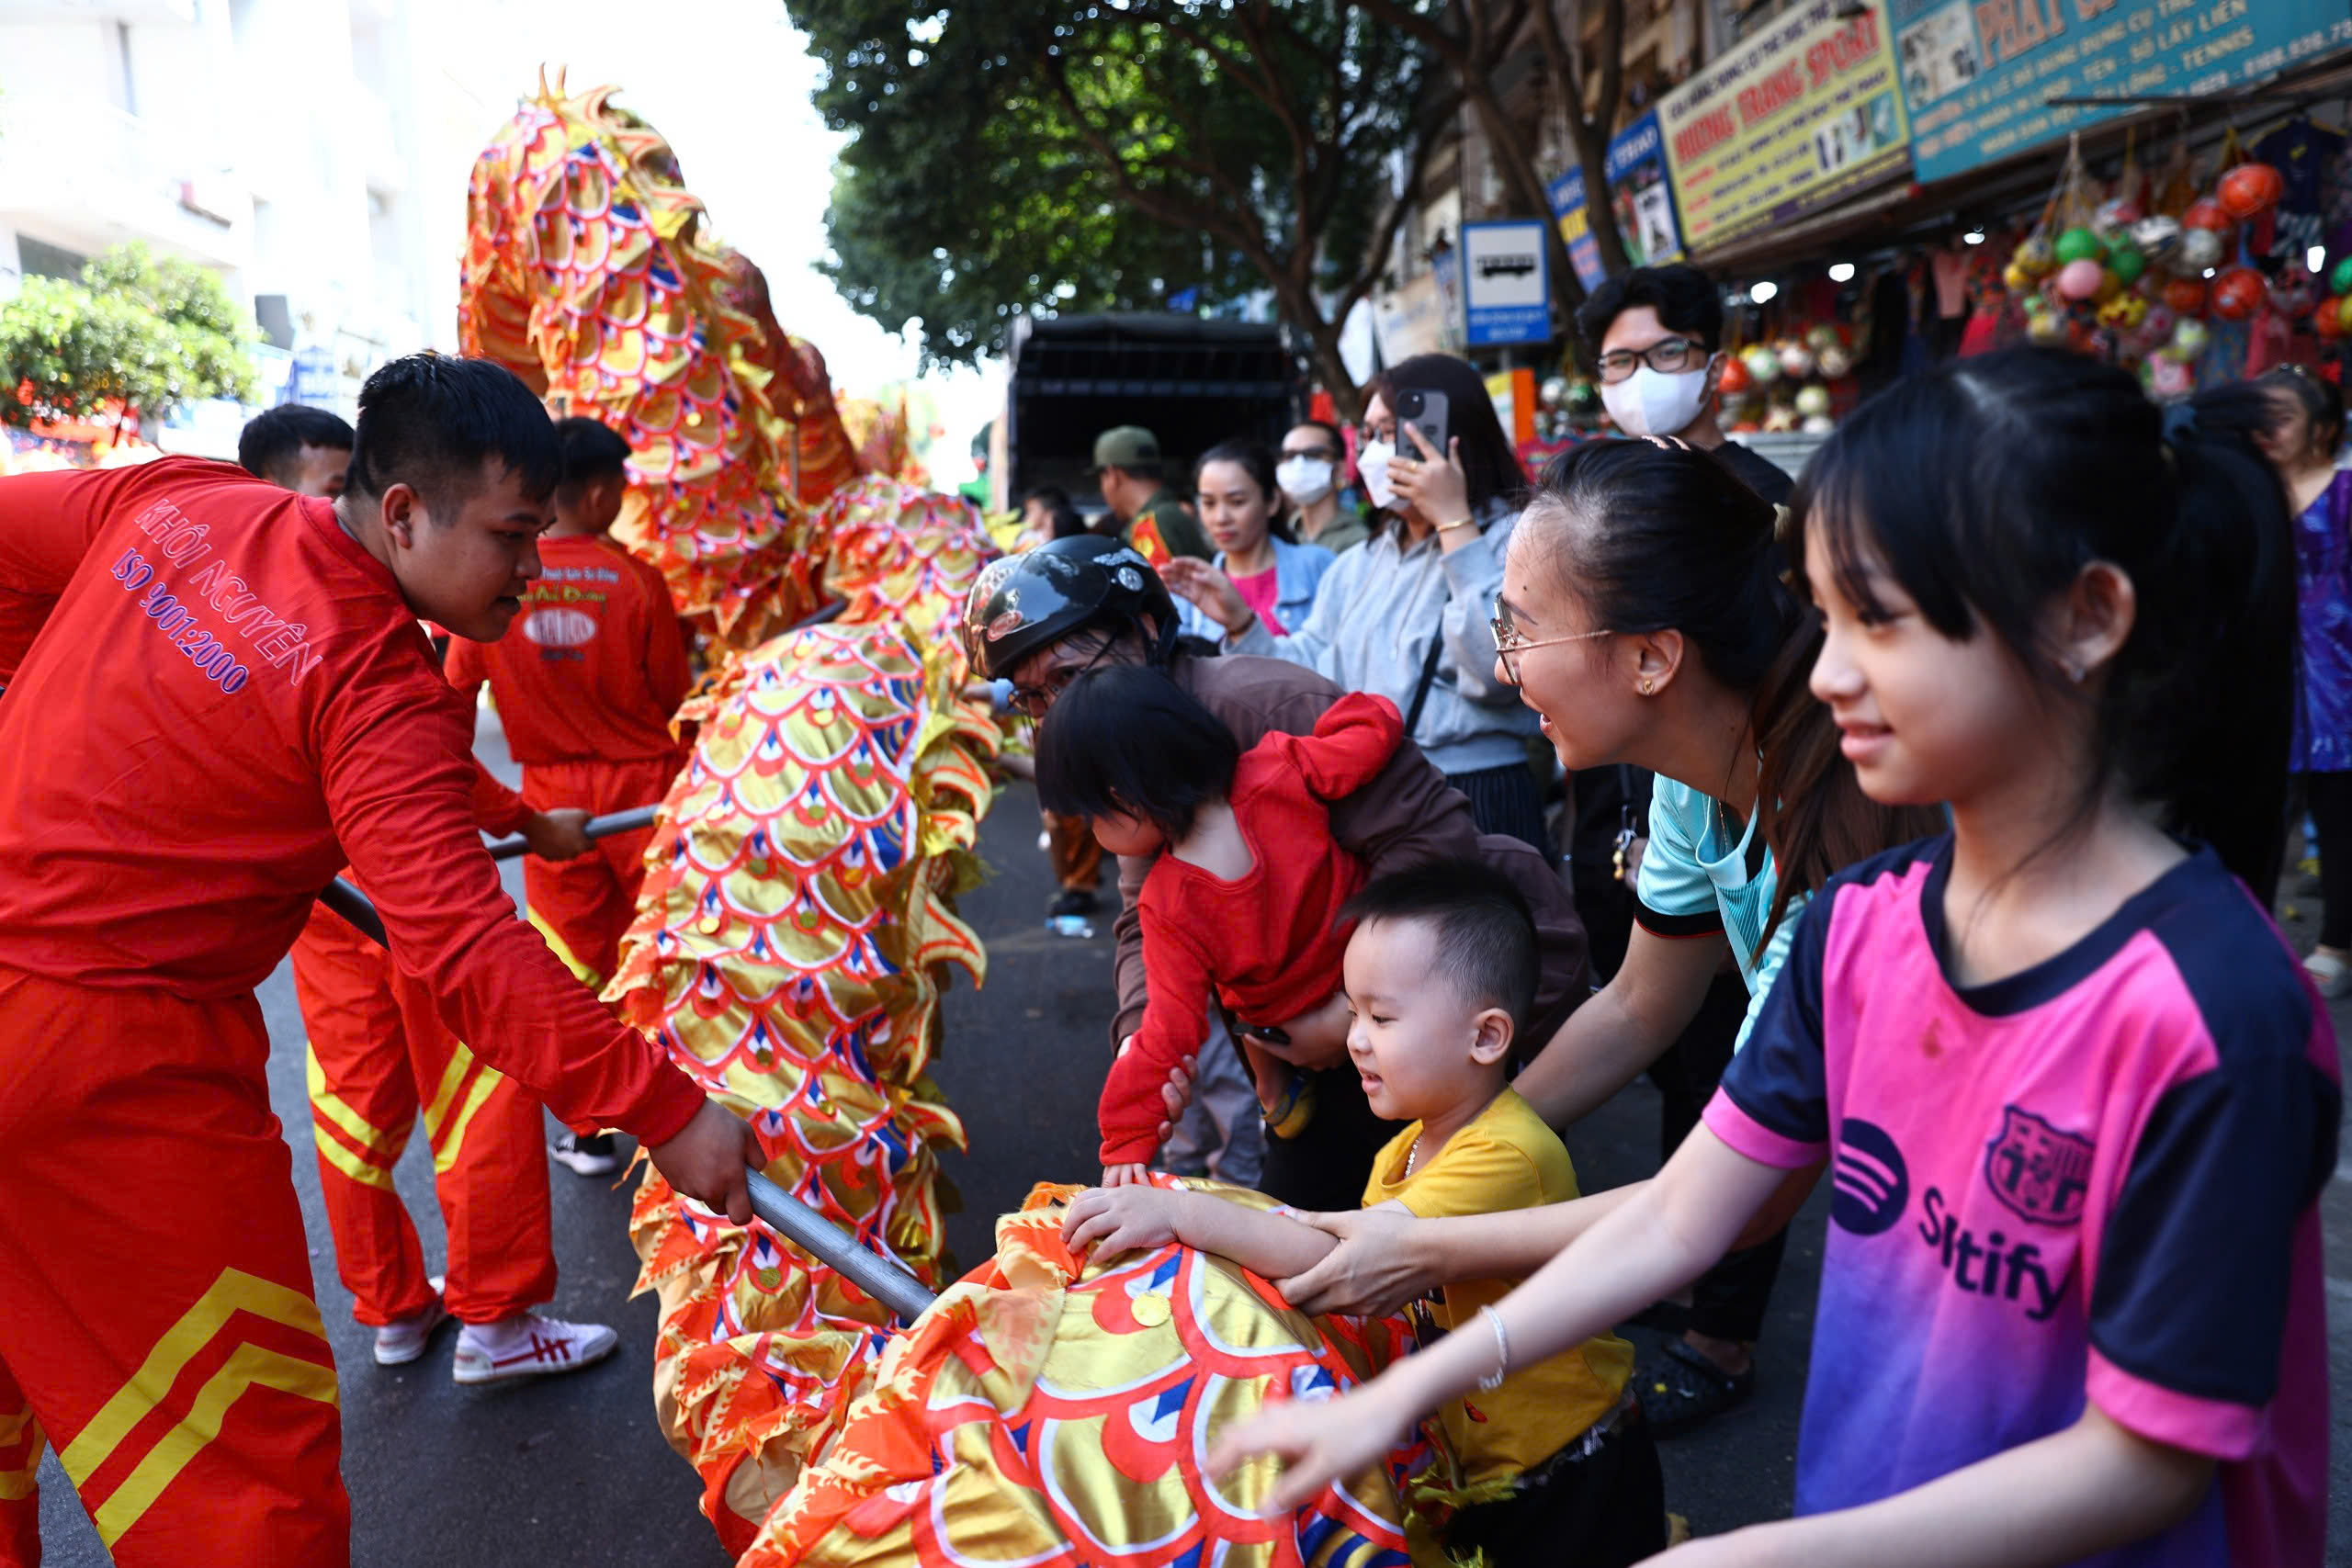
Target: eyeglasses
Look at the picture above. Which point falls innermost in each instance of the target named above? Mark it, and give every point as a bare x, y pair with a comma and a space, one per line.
1667, 357
1032, 701
1509, 645
1325, 453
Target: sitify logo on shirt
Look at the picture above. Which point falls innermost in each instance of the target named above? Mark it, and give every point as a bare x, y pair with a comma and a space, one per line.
2039, 1172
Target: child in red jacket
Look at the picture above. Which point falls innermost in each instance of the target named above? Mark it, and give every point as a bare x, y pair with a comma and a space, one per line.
1243, 902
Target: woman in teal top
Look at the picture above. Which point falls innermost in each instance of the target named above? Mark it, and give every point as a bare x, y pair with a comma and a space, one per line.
1643, 617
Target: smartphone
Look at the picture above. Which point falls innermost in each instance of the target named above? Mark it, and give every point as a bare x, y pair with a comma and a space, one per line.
1425, 410
1272, 1036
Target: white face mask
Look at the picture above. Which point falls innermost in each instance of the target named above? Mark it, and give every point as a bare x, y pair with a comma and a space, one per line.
1371, 466
1305, 479
1651, 402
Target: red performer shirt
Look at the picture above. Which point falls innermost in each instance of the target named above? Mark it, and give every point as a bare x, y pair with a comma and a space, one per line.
228, 696
595, 665
1269, 944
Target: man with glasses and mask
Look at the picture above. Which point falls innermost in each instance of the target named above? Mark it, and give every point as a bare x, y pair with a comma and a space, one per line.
1656, 334
1309, 473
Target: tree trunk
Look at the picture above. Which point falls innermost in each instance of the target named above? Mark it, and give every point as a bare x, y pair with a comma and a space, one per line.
1590, 133
1517, 166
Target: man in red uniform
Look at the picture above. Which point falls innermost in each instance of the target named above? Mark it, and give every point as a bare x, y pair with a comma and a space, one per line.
228, 699
585, 689
378, 1055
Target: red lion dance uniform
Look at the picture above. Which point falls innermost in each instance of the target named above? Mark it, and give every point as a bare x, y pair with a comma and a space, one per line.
229, 694
586, 686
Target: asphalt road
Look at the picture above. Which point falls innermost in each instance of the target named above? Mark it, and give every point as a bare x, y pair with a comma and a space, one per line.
573, 1470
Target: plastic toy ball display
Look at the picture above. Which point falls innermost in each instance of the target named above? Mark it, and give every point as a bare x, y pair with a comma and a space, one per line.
2126, 262
1813, 400
1736, 380
2208, 215
2036, 257
1763, 364
2250, 189
2159, 322
2080, 278
2188, 339
2328, 319
2200, 248
1796, 361
2186, 295
2045, 326
2125, 310
1834, 362
2115, 217
2238, 293
2339, 279
2080, 244
2156, 237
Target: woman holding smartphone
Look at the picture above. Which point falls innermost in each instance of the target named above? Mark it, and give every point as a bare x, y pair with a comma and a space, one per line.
1406, 613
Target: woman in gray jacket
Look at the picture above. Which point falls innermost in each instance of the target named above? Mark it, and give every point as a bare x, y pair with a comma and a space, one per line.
1407, 614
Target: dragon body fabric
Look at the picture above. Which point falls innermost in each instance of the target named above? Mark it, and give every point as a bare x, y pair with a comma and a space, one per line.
796, 919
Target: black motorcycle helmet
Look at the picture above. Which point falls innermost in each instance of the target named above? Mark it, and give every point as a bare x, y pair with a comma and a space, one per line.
1023, 603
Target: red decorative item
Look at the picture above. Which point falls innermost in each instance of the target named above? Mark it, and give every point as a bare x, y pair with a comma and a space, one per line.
2207, 213
2328, 319
2251, 189
2238, 293
1735, 379
2186, 295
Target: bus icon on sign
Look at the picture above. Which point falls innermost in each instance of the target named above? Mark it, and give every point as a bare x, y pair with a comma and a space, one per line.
1506, 264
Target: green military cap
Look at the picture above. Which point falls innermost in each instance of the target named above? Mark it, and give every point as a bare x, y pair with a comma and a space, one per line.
1128, 446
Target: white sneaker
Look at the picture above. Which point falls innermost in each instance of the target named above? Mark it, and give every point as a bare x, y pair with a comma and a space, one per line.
591, 1156
2330, 973
398, 1343
529, 1347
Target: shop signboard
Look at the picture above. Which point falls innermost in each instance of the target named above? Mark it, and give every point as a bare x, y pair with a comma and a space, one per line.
1641, 196
1804, 114
1414, 319
1978, 75
1506, 283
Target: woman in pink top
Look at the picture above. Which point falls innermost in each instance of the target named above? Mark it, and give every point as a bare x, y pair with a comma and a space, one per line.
1240, 507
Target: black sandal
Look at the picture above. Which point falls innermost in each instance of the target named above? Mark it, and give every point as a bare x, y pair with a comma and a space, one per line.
1682, 1389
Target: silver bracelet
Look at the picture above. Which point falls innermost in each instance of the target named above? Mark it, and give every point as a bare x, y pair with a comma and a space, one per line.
1494, 1379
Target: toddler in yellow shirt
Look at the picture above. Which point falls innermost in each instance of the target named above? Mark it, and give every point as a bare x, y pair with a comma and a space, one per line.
1552, 1464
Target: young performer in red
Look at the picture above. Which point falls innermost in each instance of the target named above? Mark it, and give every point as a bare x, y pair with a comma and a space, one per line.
378, 1055
585, 688
230, 698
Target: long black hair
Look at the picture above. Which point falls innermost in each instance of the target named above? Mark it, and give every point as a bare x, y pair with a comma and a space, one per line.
1986, 486
1489, 461
1657, 537
1126, 738
1254, 458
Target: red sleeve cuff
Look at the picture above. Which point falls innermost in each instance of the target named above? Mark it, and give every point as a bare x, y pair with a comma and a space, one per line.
669, 1102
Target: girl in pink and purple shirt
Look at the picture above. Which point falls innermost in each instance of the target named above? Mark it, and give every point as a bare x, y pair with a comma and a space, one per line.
2076, 1099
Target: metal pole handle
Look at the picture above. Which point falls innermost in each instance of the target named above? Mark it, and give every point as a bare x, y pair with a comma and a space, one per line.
884, 1279
630, 822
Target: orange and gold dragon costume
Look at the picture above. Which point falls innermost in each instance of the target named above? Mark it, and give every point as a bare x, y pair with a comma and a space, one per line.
796, 918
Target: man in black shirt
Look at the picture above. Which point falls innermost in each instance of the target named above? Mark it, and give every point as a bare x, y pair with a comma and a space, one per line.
1657, 334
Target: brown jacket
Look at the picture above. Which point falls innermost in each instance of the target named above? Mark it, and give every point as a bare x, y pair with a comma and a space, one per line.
1407, 815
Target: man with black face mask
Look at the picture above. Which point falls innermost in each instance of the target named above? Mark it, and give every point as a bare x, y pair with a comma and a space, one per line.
1656, 334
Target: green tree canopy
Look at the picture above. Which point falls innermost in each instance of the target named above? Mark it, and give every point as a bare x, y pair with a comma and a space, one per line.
1024, 154
149, 333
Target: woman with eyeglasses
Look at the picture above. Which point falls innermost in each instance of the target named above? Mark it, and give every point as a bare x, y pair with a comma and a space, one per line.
1404, 615
1644, 617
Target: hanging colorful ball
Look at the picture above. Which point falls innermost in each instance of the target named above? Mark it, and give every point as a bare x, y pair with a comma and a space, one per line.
2189, 340
2125, 310
1796, 361
2186, 295
2250, 190
1763, 364
2339, 279
2208, 215
2036, 257
1835, 362
1821, 335
2017, 280
1813, 400
2080, 244
2156, 236
2328, 319
2159, 322
2080, 278
2200, 248
2045, 326
1818, 424
1735, 382
2125, 260
2116, 217
2238, 293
